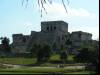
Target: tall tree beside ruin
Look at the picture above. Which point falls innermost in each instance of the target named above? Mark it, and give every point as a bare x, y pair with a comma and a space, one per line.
63, 56
5, 44
43, 53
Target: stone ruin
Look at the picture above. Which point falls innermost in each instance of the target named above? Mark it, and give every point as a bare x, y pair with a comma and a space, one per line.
53, 33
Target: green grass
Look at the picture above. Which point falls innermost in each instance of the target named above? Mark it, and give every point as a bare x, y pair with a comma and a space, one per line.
30, 70
18, 60
26, 61
55, 57
82, 72
70, 58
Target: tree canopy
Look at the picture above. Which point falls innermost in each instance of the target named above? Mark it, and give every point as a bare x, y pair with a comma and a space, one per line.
5, 44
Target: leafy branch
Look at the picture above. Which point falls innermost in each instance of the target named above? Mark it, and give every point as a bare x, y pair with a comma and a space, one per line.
41, 4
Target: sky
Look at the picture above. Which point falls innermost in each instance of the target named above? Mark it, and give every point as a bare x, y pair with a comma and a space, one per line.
82, 15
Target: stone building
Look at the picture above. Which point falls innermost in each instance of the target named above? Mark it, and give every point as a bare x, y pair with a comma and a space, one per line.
53, 33
79, 37
20, 43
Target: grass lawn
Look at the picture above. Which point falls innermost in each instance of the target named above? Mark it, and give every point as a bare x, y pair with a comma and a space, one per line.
18, 60
70, 58
21, 60
27, 61
56, 57
82, 72
31, 70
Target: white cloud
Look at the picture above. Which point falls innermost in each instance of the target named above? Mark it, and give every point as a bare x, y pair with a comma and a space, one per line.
28, 23
58, 10
29, 26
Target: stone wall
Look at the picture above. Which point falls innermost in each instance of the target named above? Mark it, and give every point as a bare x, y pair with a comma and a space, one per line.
20, 43
79, 37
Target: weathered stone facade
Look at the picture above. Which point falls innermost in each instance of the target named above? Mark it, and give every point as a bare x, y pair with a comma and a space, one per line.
79, 37
53, 33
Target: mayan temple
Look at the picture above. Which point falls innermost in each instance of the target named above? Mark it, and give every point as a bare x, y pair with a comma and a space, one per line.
53, 33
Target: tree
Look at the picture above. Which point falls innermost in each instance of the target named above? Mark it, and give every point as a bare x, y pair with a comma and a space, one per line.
89, 53
1, 38
97, 59
0, 43
68, 43
34, 50
84, 56
47, 51
5, 44
43, 53
63, 56
54, 47
93, 47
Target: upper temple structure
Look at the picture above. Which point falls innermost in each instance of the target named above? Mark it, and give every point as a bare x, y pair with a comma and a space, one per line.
53, 33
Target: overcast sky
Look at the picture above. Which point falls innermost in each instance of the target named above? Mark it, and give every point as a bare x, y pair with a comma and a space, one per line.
83, 15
